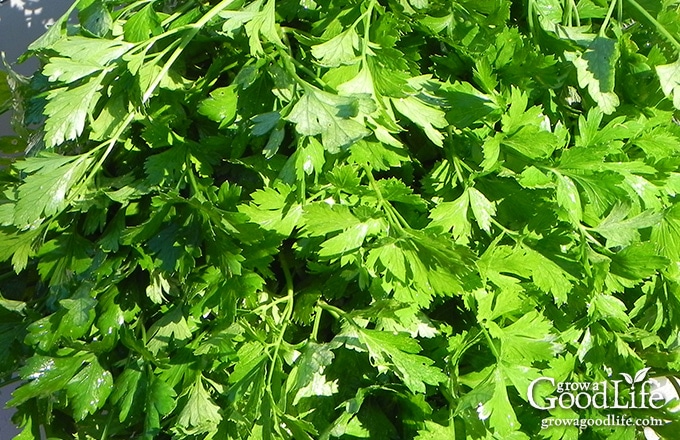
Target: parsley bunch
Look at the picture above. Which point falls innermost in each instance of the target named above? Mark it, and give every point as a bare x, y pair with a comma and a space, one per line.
319, 219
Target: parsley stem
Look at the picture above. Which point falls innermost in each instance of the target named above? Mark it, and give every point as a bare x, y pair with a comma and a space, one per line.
288, 312
489, 340
291, 70
195, 27
269, 305
182, 45
590, 237
367, 28
659, 27
572, 14
393, 216
503, 228
337, 313
317, 322
105, 431
607, 18
530, 16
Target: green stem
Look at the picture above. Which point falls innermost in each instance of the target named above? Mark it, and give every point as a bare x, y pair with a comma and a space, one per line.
489, 340
510, 232
589, 236
297, 64
288, 312
530, 16
317, 322
394, 217
265, 307
605, 23
367, 28
105, 432
195, 28
567, 19
194, 184
362, 17
659, 27
337, 313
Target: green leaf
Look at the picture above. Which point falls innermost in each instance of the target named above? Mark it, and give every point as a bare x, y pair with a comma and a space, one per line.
532, 142
340, 49
393, 260
160, 401
67, 70
498, 409
319, 112
596, 71
46, 191
532, 177
46, 375
91, 50
435, 431
658, 142
308, 375
482, 209
128, 393
569, 199
310, 159
199, 414
548, 275
272, 210
321, 218
110, 119
54, 33
468, 105
397, 353
669, 77
89, 389
18, 246
527, 340
666, 234
377, 155
349, 240
67, 110
171, 327
96, 19
453, 216
637, 262
79, 316
221, 106
263, 24
142, 24
620, 231
610, 309
426, 117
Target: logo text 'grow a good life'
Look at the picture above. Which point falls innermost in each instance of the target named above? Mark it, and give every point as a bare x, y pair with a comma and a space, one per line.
634, 392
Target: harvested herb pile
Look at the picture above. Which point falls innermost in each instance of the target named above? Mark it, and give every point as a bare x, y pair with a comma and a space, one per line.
340, 219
